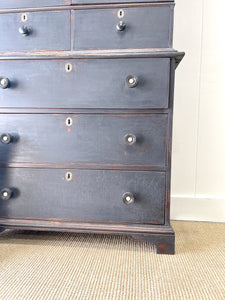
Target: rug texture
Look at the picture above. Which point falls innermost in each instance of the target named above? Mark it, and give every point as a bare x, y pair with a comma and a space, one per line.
52, 265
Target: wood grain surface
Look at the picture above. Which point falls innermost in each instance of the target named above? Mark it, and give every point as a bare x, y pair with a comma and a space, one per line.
94, 195
90, 83
46, 31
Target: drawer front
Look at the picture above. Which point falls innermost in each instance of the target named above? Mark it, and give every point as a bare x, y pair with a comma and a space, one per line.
32, 3
92, 195
35, 31
145, 27
85, 139
117, 1
92, 83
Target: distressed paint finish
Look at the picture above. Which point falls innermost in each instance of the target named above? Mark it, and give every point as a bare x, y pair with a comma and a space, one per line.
165, 243
92, 83
32, 3
122, 53
146, 27
118, 1
46, 31
102, 108
91, 195
4, 4
91, 139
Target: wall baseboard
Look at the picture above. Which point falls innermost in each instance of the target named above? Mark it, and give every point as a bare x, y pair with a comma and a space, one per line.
203, 208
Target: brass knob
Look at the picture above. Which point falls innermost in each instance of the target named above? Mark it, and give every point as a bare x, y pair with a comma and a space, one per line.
6, 138
128, 198
132, 81
5, 194
121, 26
4, 82
130, 139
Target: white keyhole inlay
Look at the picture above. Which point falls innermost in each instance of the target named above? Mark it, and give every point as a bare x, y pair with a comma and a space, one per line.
69, 176
24, 17
120, 13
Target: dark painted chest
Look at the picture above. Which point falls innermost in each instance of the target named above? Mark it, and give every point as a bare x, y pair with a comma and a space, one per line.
86, 108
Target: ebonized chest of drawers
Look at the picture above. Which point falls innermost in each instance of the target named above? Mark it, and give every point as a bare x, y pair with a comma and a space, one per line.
86, 106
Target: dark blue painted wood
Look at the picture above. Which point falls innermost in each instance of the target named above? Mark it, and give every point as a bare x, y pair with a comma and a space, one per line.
91, 195
43, 146
32, 3
146, 27
94, 83
117, 1
46, 31
92, 139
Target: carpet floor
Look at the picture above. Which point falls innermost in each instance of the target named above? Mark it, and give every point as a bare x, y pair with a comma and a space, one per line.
52, 265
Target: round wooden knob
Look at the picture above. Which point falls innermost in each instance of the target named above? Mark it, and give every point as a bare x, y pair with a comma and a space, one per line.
5, 138
128, 198
132, 81
24, 31
5, 194
130, 139
121, 26
4, 82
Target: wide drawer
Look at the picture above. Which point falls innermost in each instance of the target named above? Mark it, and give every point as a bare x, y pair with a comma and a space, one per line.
48, 30
85, 139
92, 195
127, 27
91, 83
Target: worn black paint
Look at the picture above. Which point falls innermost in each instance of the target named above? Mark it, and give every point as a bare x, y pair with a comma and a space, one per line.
116, 1
41, 95
46, 31
5, 4
146, 27
32, 3
98, 139
95, 195
38, 83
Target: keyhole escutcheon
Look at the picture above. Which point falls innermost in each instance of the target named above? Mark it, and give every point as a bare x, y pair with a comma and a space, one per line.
24, 17
69, 121
120, 13
69, 176
68, 67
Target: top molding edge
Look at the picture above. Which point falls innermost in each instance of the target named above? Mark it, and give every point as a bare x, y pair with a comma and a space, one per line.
34, 4
95, 54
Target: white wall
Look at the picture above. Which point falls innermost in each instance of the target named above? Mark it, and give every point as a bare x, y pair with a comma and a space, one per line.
198, 162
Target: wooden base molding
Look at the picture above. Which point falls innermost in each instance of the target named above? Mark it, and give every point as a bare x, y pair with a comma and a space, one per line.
162, 236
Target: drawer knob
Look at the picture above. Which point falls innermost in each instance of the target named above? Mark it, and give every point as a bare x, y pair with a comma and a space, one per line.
121, 26
5, 194
132, 81
4, 82
24, 31
130, 139
128, 198
6, 138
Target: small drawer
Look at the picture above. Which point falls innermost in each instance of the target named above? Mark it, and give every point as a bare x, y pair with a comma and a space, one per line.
31, 3
91, 195
90, 83
120, 28
85, 139
48, 30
